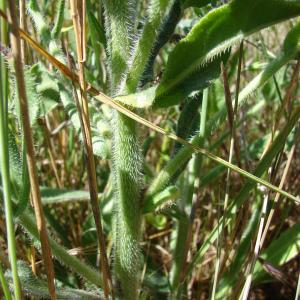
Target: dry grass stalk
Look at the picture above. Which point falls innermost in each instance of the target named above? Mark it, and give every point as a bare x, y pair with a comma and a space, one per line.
30, 153
120, 108
78, 15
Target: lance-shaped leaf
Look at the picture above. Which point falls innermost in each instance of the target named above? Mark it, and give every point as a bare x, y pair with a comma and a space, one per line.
216, 32
34, 286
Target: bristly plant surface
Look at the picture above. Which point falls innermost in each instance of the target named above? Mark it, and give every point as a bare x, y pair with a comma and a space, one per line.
125, 100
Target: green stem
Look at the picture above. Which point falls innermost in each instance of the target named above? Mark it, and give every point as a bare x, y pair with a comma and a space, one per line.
120, 26
4, 167
157, 9
180, 234
191, 181
120, 22
59, 19
127, 164
7, 197
4, 285
4, 41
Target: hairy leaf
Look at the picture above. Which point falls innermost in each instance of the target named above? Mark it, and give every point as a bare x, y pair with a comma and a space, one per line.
290, 50
216, 32
28, 223
36, 287
52, 196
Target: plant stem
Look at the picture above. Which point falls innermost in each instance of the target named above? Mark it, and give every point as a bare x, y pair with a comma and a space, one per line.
120, 26
127, 164
78, 14
185, 223
60, 8
30, 155
4, 41
4, 285
5, 170
7, 197
157, 9
232, 118
185, 153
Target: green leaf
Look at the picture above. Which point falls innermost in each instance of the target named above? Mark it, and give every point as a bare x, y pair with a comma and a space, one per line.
46, 87
96, 31
198, 80
290, 50
42, 92
15, 162
53, 196
19, 174
27, 221
36, 287
33, 97
156, 13
60, 9
101, 130
280, 250
169, 194
141, 99
145, 99
216, 32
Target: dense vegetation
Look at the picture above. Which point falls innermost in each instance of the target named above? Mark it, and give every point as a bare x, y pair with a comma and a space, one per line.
149, 149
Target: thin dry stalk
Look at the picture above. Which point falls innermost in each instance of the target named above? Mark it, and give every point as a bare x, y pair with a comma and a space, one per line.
232, 111
51, 152
78, 15
234, 147
251, 265
30, 154
286, 103
101, 97
262, 230
33, 260
277, 196
253, 258
239, 224
23, 26
291, 88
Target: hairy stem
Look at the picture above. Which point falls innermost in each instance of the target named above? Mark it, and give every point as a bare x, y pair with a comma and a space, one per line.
120, 23
59, 19
127, 165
